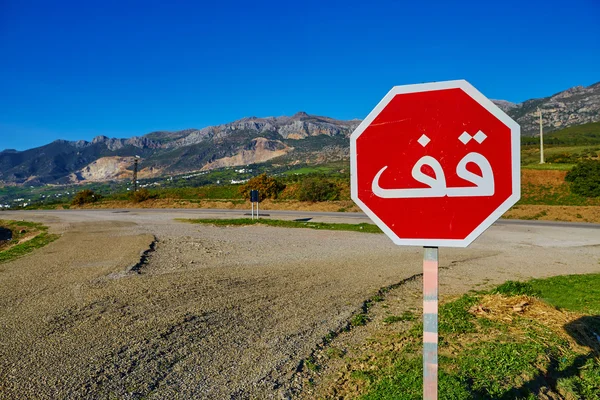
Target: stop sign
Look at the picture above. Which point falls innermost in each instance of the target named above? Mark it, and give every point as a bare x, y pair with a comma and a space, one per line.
435, 164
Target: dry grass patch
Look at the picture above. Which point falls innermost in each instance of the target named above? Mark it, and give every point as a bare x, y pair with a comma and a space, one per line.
287, 205
543, 177
554, 213
511, 309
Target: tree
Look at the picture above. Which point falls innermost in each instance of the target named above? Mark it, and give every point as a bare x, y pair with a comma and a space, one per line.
585, 178
85, 196
317, 189
267, 186
141, 195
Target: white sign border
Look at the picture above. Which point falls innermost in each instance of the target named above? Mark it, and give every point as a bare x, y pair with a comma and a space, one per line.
515, 130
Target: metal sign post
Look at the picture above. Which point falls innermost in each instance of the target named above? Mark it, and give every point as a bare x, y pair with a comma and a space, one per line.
430, 323
135, 173
254, 199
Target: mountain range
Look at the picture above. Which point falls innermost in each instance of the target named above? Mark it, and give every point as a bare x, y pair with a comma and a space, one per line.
301, 138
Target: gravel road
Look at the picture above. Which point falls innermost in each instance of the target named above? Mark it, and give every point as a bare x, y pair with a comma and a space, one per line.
218, 313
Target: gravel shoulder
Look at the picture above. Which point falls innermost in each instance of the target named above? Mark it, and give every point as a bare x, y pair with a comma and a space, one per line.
220, 312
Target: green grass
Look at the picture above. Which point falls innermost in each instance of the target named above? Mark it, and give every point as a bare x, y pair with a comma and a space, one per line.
311, 364
334, 352
405, 316
40, 240
576, 135
482, 358
579, 293
516, 288
454, 317
318, 169
548, 166
363, 227
359, 319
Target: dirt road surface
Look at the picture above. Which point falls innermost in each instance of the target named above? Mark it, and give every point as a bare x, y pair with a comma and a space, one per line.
219, 313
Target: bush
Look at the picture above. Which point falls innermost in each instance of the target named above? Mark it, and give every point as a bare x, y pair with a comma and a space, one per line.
141, 195
84, 197
317, 189
562, 158
267, 186
585, 178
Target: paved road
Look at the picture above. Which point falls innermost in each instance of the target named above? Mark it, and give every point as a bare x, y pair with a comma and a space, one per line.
220, 312
350, 217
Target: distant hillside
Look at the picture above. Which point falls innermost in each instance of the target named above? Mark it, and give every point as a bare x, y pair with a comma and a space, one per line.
580, 135
246, 141
299, 139
575, 106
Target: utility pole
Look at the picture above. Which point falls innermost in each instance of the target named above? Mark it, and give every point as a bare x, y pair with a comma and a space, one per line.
541, 138
135, 171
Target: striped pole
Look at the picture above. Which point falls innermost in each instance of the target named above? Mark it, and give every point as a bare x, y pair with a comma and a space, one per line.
430, 323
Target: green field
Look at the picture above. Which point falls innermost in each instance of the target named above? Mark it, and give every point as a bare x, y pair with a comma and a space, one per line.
557, 157
317, 169
563, 148
586, 134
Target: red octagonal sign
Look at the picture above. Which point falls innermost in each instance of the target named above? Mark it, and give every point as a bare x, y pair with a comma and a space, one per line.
435, 164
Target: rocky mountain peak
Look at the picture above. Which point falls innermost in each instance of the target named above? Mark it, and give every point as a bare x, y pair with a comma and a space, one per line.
505, 105
300, 115
99, 139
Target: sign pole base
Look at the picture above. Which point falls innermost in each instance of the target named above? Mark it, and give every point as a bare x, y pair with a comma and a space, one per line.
430, 323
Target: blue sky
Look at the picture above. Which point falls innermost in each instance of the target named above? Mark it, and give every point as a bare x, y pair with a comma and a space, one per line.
74, 70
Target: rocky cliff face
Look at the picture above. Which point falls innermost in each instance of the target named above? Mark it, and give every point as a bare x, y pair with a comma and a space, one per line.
104, 169
258, 151
299, 126
575, 106
118, 144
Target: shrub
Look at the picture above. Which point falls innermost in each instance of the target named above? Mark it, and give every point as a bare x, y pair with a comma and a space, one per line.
84, 197
267, 186
141, 195
585, 178
317, 189
562, 158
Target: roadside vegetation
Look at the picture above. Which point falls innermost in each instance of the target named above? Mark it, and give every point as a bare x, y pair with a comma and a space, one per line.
86, 196
522, 340
585, 178
367, 228
268, 187
18, 238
